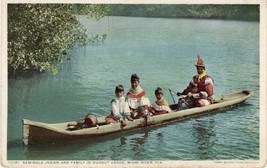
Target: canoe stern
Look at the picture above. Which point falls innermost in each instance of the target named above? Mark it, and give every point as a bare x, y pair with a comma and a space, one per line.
25, 132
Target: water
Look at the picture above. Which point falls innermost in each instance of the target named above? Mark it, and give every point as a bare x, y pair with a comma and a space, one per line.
163, 53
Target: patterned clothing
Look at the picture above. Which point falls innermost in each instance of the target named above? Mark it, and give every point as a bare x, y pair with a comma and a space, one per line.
136, 98
119, 109
160, 107
205, 86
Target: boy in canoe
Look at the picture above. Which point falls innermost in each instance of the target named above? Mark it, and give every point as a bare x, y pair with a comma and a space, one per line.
119, 108
189, 100
160, 106
204, 84
137, 99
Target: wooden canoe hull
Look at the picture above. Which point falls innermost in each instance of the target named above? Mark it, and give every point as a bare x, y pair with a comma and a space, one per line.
38, 132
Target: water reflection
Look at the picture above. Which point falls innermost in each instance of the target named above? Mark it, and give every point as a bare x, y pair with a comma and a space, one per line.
138, 144
114, 147
52, 151
123, 141
204, 134
159, 136
69, 96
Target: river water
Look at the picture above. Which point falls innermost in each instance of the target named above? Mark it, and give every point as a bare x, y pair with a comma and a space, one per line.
163, 53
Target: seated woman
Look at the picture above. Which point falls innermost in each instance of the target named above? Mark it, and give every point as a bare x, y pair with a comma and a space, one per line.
137, 99
119, 108
160, 106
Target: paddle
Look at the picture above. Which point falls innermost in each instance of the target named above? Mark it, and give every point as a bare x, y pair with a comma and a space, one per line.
170, 90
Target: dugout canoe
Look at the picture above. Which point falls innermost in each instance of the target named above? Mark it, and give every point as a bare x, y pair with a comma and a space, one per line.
38, 132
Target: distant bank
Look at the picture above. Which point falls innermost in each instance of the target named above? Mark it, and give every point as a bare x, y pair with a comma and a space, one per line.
205, 11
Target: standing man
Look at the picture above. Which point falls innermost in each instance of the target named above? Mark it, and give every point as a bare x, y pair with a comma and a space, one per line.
137, 99
204, 83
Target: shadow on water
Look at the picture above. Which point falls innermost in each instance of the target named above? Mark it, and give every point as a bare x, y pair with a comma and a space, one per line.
203, 133
138, 144
134, 144
47, 151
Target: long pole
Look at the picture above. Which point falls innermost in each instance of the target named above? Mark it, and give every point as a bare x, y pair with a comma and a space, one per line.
172, 95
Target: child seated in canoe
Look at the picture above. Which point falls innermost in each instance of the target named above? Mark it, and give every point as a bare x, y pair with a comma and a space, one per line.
189, 100
160, 106
137, 99
119, 108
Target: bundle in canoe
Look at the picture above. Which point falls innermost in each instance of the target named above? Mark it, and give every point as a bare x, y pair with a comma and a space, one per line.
38, 132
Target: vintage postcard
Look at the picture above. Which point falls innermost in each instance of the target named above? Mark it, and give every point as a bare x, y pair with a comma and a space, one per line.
177, 83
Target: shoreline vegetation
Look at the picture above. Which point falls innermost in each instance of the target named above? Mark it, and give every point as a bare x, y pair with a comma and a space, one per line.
227, 12
40, 36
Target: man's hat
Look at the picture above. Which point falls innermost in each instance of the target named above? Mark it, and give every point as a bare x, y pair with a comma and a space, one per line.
158, 91
119, 88
134, 77
199, 62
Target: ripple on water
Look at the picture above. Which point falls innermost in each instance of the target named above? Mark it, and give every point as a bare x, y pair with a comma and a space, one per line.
86, 84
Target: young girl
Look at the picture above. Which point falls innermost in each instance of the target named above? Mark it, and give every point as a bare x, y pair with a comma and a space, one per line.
137, 99
119, 108
160, 106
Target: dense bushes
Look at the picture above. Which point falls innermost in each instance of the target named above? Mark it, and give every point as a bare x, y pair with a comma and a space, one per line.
39, 35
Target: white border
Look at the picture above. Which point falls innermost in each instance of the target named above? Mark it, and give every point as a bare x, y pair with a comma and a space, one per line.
219, 163
263, 82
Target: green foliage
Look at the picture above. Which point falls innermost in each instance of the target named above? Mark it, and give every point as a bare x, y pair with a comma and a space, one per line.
40, 35
96, 11
238, 12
